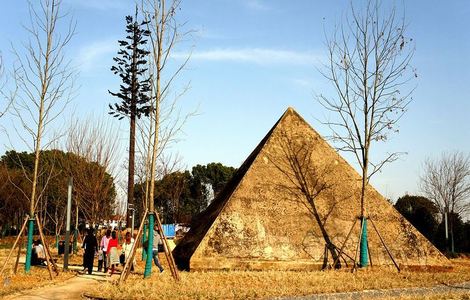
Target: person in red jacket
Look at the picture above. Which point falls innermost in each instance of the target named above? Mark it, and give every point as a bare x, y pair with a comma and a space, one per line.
112, 252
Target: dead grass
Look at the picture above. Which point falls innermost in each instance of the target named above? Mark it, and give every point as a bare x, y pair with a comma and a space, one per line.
12, 283
39, 276
251, 285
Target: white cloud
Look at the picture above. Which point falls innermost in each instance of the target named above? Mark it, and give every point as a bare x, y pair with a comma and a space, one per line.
100, 4
262, 56
202, 32
96, 54
302, 82
256, 5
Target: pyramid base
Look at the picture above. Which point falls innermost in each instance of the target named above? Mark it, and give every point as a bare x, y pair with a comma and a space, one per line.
243, 264
251, 264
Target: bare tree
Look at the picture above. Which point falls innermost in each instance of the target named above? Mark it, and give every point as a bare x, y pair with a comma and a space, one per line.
44, 78
164, 35
7, 97
369, 59
2, 84
94, 142
446, 181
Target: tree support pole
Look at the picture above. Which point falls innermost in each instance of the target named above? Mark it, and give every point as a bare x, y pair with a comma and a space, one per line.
385, 246
130, 260
48, 258
46, 249
168, 254
14, 245
17, 262
344, 243
357, 248
370, 257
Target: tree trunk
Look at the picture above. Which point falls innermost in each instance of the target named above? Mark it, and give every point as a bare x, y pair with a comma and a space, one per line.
363, 254
130, 179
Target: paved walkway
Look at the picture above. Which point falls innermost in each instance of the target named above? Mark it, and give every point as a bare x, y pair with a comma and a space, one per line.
70, 289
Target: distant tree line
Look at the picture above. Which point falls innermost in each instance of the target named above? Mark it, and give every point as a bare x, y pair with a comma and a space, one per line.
425, 216
93, 195
181, 195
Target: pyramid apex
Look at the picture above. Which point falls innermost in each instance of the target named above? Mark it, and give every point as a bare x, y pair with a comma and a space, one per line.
290, 109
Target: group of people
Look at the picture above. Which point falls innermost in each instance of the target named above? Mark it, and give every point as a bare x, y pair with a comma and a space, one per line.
109, 256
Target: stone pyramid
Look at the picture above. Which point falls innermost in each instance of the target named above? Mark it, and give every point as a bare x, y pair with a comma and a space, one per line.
293, 196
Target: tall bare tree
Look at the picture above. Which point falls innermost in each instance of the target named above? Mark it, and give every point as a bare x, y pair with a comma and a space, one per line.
45, 85
164, 35
369, 59
446, 181
6, 98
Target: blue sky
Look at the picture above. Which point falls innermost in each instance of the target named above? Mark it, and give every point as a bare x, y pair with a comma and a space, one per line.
252, 59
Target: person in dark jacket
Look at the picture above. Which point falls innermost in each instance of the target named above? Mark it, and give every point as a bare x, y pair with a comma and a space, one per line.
91, 247
157, 240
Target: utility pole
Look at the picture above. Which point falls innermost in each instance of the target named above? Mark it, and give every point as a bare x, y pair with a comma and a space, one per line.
67, 232
130, 207
446, 227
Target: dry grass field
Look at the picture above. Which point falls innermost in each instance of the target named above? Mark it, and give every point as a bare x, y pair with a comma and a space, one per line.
243, 284
39, 276
266, 284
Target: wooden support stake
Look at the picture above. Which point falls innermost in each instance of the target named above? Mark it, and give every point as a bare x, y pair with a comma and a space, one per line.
48, 259
168, 254
343, 253
46, 248
14, 245
357, 248
370, 257
344, 243
134, 250
17, 262
126, 270
341, 257
385, 246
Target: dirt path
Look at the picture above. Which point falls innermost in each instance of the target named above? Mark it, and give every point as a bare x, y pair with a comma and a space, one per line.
418, 292
71, 289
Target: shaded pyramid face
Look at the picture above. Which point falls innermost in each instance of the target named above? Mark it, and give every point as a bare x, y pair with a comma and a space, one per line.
292, 197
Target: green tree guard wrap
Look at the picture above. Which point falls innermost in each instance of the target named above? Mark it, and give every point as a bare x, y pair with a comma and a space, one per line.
57, 241
29, 246
364, 258
144, 237
148, 262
